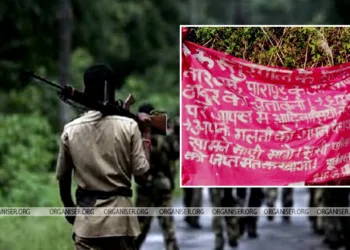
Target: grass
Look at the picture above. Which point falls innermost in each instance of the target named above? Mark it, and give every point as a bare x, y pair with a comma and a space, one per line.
35, 233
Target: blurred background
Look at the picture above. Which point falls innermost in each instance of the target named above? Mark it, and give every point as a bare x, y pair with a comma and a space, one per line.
59, 39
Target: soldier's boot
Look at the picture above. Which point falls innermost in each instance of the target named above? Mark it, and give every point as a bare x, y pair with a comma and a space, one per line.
233, 231
196, 225
193, 222
286, 219
253, 235
219, 242
233, 242
171, 245
252, 227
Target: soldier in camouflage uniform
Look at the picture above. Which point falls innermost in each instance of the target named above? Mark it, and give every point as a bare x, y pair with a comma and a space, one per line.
223, 197
336, 229
287, 200
255, 200
158, 193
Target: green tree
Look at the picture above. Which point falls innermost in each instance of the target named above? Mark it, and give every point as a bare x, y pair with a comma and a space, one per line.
27, 147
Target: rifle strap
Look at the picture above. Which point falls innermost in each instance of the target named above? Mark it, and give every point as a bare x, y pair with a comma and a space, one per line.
157, 112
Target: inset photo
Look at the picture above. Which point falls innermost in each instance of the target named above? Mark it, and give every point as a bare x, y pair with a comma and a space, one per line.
265, 106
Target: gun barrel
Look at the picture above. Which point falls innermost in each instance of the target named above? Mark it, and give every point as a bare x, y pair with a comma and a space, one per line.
33, 75
159, 123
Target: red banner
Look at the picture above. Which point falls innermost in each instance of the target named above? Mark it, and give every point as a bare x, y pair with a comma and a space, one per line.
245, 124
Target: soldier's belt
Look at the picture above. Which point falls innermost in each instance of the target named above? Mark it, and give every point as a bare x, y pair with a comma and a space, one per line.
87, 198
103, 195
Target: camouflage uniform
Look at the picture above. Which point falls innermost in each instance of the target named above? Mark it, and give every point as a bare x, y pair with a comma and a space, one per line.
336, 228
287, 199
158, 193
255, 200
193, 198
222, 197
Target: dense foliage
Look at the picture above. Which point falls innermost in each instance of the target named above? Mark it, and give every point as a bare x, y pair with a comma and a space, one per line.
27, 147
291, 47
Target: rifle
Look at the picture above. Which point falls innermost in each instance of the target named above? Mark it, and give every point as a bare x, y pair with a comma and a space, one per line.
130, 100
69, 94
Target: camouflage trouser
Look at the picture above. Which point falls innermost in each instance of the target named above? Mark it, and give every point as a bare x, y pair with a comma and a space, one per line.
166, 222
336, 229
218, 198
110, 243
193, 197
316, 200
287, 198
255, 200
